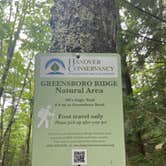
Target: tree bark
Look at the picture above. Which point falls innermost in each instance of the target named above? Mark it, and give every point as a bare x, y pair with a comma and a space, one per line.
126, 80
84, 26
28, 137
87, 26
2, 123
141, 143
6, 150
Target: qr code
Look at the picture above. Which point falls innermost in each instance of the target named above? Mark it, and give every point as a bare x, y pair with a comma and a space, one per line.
79, 157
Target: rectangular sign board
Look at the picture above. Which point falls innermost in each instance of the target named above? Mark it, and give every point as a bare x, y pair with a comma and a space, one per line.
78, 115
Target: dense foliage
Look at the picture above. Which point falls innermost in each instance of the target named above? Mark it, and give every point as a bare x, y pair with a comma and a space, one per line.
141, 42
24, 31
144, 42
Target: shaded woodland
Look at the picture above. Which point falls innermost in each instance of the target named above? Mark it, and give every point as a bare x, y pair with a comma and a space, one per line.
134, 29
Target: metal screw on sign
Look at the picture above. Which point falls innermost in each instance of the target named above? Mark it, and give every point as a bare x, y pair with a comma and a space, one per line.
77, 55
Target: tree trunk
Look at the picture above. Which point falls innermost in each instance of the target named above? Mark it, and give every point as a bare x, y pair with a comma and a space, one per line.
2, 122
84, 26
5, 159
28, 138
87, 26
141, 143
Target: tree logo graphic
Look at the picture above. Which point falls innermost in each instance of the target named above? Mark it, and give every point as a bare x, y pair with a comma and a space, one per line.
55, 66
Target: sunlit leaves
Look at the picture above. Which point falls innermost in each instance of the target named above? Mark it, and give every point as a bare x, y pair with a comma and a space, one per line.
25, 23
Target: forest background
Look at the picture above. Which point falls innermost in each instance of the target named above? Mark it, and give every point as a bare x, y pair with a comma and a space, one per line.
28, 27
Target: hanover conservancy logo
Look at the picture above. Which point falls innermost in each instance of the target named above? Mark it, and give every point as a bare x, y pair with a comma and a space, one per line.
54, 67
